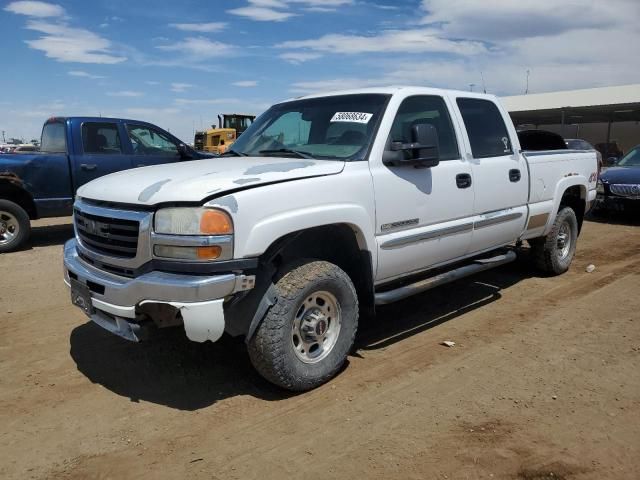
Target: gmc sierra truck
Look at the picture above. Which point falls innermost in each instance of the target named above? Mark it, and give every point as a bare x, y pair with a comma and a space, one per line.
327, 206
74, 151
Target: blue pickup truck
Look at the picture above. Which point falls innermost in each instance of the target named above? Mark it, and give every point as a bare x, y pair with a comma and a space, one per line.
74, 151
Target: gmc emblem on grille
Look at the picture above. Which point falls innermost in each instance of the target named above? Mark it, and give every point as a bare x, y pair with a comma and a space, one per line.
91, 226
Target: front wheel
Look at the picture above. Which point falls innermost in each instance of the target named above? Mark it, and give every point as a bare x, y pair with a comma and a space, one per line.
15, 226
305, 337
554, 253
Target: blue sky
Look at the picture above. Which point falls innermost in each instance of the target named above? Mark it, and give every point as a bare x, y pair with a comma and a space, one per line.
179, 64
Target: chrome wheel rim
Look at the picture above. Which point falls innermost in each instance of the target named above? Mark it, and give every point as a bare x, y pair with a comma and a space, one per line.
316, 327
564, 240
9, 227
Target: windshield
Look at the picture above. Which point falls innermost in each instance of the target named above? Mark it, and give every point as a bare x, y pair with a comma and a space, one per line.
339, 127
631, 159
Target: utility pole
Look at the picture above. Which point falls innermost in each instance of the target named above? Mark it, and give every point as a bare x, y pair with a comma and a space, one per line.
3, 139
526, 90
484, 86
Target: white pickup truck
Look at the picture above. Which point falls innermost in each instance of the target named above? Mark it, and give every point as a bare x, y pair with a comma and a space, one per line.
327, 206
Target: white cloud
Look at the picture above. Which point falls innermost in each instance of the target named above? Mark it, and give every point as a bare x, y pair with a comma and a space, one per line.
36, 9
245, 83
279, 10
500, 19
565, 46
152, 82
401, 41
125, 93
60, 41
198, 47
204, 101
261, 14
81, 73
299, 57
180, 87
200, 27
328, 85
384, 7
320, 9
44, 111
151, 112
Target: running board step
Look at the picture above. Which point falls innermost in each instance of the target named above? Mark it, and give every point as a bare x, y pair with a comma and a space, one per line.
477, 266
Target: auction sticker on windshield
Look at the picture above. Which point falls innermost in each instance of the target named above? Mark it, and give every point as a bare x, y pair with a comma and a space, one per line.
353, 117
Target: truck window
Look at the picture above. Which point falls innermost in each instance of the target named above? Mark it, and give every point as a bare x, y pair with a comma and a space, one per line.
426, 109
101, 138
54, 139
485, 127
308, 125
289, 129
149, 141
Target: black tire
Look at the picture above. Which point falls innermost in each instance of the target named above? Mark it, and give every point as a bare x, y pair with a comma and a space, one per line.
272, 348
13, 217
548, 252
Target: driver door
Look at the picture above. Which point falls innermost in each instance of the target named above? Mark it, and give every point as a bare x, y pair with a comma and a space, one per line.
424, 216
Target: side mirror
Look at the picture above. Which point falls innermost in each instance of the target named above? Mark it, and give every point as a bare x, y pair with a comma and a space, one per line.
611, 161
423, 151
183, 151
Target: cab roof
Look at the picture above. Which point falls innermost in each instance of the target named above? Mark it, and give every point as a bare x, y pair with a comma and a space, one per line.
397, 89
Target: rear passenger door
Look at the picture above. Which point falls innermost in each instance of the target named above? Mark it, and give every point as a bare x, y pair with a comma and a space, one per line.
102, 152
500, 174
151, 146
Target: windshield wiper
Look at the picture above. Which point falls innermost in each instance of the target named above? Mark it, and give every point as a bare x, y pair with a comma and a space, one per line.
234, 153
298, 153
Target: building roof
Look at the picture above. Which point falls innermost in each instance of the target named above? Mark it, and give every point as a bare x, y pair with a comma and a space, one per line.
618, 103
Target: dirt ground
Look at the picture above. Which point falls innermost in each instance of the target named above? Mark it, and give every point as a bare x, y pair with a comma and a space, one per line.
543, 383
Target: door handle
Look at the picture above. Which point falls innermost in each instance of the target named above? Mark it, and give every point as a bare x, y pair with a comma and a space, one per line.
514, 175
89, 167
141, 165
463, 180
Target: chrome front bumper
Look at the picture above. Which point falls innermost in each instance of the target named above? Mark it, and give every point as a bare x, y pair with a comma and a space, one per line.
116, 298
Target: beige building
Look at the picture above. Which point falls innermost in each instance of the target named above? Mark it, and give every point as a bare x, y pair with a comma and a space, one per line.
597, 115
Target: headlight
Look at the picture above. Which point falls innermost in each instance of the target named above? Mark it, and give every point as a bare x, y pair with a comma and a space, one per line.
600, 187
193, 221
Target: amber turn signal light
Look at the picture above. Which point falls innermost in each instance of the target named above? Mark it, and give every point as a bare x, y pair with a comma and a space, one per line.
215, 222
209, 253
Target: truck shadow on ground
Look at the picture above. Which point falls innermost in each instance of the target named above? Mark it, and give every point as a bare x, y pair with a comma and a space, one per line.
48, 235
170, 370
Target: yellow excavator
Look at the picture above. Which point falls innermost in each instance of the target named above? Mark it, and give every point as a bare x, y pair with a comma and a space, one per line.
218, 139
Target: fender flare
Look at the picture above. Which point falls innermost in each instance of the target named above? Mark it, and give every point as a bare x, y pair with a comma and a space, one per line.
561, 187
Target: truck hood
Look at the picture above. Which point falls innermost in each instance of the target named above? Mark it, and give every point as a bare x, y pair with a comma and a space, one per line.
194, 181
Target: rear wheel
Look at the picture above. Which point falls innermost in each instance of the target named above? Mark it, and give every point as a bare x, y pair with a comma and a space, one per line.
554, 253
15, 227
305, 337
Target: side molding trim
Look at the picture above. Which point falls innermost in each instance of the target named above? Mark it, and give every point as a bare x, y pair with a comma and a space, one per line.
419, 237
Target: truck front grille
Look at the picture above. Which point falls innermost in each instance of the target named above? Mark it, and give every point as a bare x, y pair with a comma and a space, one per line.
107, 235
625, 190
